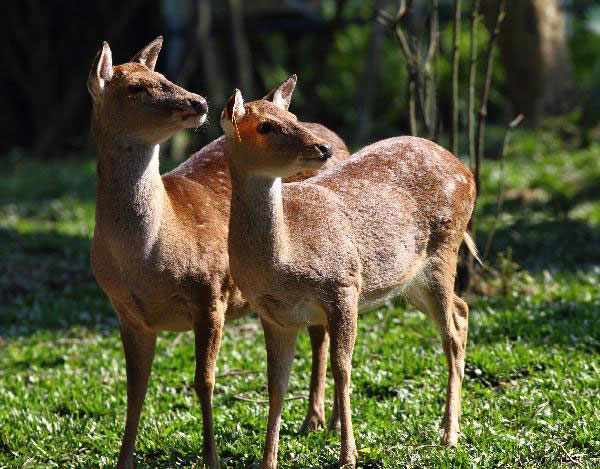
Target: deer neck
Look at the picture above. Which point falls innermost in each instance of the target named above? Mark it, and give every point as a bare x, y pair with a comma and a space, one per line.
257, 214
130, 195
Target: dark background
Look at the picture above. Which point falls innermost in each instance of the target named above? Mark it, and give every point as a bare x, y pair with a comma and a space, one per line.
531, 393
352, 76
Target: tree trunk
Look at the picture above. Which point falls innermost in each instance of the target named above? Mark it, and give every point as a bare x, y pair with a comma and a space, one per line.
369, 78
241, 51
534, 53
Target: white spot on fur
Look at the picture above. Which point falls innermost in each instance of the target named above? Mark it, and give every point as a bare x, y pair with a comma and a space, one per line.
449, 187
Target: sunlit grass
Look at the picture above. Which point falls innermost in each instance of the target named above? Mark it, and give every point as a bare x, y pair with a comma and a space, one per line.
531, 392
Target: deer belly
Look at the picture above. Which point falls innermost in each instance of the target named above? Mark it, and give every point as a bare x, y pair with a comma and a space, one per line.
378, 290
172, 313
303, 313
379, 298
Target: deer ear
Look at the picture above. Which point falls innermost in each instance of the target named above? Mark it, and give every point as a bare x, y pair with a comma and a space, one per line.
282, 95
149, 54
232, 114
102, 71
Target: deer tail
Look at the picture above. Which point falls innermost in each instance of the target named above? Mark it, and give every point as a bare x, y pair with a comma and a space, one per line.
471, 247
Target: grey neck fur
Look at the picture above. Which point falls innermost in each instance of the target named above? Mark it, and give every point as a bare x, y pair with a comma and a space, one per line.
130, 193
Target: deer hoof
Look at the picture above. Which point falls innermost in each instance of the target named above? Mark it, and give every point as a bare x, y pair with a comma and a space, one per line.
450, 438
211, 462
312, 423
348, 461
334, 426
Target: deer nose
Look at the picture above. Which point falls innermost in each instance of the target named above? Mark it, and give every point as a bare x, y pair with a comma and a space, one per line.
199, 105
325, 150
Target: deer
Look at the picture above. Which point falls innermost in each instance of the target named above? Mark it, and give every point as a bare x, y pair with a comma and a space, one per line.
388, 221
159, 249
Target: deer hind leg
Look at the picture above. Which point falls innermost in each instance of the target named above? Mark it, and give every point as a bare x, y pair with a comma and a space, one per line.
454, 341
436, 298
208, 328
342, 327
315, 415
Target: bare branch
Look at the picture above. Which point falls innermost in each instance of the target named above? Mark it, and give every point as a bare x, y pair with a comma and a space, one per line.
486, 90
412, 106
428, 74
411, 66
434, 32
401, 11
468, 270
500, 195
369, 79
472, 79
455, 63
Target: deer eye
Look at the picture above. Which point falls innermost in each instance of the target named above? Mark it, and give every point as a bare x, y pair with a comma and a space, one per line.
135, 88
264, 127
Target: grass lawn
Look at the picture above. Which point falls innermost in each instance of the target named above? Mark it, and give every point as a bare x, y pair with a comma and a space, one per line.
532, 386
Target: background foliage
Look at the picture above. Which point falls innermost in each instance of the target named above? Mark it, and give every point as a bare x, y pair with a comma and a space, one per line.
49, 47
531, 393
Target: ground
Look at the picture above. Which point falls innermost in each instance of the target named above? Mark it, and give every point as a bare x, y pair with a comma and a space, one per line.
532, 386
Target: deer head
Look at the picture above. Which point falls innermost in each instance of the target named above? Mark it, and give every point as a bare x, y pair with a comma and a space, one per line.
134, 101
267, 139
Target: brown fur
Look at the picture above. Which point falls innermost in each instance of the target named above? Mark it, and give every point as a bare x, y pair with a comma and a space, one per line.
159, 249
385, 222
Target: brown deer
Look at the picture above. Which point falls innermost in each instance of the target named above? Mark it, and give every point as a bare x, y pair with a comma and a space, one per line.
385, 222
160, 242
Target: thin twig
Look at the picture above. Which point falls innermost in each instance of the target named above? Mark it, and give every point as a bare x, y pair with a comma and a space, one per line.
241, 397
245, 328
404, 47
568, 455
434, 32
401, 11
411, 65
472, 225
177, 339
486, 90
234, 372
410, 445
472, 79
412, 105
421, 79
455, 63
429, 89
500, 195
482, 115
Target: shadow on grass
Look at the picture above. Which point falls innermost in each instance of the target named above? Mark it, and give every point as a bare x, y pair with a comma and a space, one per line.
556, 201
544, 325
43, 261
46, 284
548, 244
561, 322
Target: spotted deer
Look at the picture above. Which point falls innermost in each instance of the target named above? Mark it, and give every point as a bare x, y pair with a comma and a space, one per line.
159, 249
388, 221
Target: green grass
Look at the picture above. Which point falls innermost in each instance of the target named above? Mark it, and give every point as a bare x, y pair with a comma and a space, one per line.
532, 386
